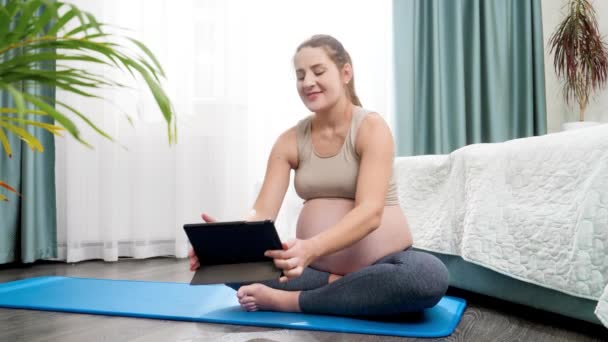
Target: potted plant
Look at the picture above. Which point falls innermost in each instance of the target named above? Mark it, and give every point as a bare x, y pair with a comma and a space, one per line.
34, 32
581, 57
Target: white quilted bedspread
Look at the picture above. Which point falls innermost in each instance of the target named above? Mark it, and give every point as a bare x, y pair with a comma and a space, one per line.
535, 208
601, 311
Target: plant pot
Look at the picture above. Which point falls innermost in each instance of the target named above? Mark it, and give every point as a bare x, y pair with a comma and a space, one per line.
578, 124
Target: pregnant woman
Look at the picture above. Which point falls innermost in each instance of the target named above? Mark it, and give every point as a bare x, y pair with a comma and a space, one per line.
352, 253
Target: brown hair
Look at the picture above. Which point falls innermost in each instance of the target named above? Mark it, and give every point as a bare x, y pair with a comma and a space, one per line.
337, 54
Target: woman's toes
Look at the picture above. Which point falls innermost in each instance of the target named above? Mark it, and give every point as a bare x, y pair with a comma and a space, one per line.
246, 290
256, 297
246, 300
240, 293
250, 307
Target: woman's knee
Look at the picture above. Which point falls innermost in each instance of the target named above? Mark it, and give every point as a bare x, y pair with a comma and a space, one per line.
434, 276
424, 277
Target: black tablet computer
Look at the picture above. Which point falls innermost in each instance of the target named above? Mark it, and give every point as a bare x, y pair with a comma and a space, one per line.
233, 252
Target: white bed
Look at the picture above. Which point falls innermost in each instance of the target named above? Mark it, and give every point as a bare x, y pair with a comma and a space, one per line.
534, 209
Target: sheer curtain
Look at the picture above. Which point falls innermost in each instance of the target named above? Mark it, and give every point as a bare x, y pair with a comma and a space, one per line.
229, 73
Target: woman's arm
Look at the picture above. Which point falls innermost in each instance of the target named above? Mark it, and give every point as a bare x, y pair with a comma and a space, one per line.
376, 150
375, 147
283, 158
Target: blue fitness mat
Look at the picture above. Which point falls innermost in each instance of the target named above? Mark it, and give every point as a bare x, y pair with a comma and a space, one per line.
205, 303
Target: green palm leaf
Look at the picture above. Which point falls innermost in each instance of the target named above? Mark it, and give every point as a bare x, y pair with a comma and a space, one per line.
24, 135
36, 32
53, 129
17, 97
5, 143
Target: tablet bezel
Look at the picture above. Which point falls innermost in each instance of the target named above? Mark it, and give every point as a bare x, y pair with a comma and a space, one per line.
233, 242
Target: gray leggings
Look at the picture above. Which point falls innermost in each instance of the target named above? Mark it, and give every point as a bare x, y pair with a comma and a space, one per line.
400, 283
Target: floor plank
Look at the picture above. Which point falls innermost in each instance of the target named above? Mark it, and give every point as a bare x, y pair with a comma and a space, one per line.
485, 319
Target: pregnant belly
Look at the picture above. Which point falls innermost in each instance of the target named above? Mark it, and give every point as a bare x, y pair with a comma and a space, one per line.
319, 214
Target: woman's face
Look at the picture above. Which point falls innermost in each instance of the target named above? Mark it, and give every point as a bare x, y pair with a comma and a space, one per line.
320, 84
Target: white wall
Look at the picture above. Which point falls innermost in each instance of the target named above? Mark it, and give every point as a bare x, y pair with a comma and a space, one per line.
557, 110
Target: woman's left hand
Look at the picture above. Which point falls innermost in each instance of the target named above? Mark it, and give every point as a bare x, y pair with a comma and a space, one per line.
294, 258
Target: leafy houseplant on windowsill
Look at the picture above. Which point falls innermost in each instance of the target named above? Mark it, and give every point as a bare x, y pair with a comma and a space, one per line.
581, 57
35, 32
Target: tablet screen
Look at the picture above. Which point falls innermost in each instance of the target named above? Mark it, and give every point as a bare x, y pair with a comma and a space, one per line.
219, 243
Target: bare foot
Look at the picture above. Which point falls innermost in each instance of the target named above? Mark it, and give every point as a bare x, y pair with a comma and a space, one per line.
256, 297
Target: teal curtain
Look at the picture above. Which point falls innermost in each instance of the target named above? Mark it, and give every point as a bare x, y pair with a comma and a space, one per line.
28, 223
467, 71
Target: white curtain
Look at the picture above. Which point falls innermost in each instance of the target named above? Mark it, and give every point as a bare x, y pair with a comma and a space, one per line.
230, 76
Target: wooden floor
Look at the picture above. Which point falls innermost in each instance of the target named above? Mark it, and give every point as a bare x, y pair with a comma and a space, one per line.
484, 320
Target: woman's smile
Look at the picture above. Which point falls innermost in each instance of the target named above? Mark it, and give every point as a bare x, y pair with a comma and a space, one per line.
313, 95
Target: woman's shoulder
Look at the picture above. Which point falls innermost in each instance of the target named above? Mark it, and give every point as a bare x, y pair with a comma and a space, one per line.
373, 118
371, 126
366, 119
290, 135
286, 145
303, 123
363, 113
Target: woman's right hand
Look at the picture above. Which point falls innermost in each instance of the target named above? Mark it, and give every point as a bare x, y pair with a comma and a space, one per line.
194, 262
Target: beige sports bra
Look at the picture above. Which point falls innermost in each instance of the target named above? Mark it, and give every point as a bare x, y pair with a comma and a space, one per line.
335, 176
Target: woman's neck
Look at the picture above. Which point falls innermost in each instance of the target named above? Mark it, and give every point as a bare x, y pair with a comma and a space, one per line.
336, 116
